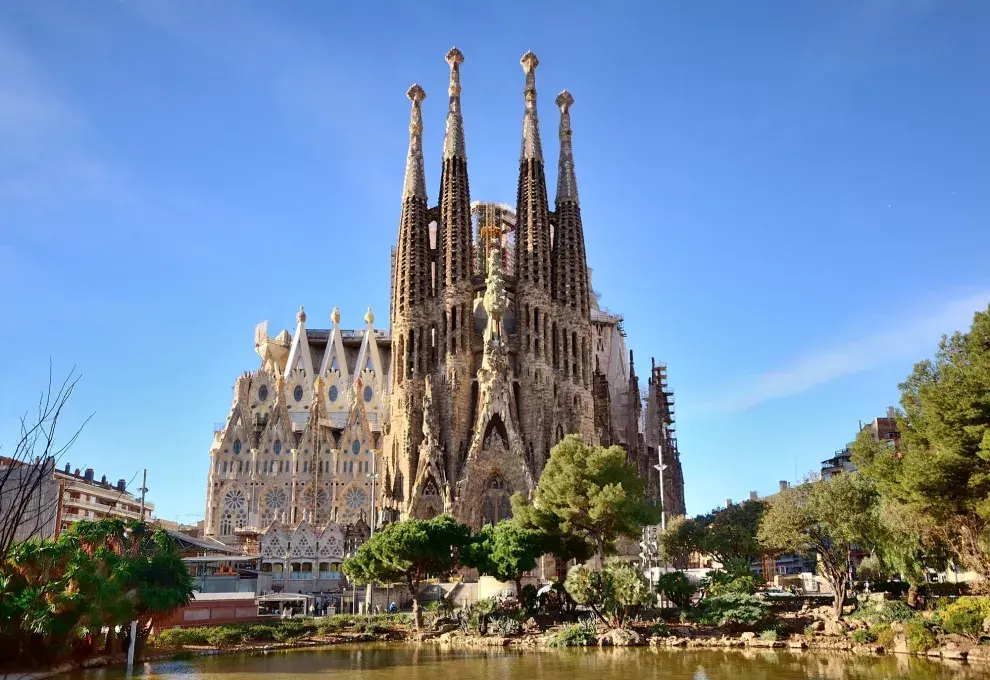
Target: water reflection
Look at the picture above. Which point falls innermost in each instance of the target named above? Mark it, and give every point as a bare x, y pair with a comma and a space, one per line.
409, 662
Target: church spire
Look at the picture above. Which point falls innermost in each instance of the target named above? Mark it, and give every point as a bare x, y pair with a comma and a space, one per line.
570, 267
415, 184
532, 211
453, 141
411, 267
531, 147
566, 181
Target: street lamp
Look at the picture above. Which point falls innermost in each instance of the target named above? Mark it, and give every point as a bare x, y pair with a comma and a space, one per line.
663, 512
373, 476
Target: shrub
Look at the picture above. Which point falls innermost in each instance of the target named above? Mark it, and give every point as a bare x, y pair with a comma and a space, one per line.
885, 636
677, 588
725, 582
863, 636
180, 637
259, 632
769, 634
732, 610
506, 626
809, 632
223, 636
920, 635
946, 589
964, 617
884, 611
572, 636
659, 629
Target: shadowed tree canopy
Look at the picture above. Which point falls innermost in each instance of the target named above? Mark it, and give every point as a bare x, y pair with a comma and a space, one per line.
505, 551
727, 534
942, 471
411, 551
590, 492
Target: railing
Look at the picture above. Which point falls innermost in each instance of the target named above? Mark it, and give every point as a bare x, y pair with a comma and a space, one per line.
331, 575
300, 575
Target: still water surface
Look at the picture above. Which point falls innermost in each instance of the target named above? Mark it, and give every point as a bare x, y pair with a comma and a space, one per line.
408, 662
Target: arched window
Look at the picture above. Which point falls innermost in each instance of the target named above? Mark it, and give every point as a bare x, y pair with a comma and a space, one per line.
297, 393
495, 504
263, 393
277, 447
237, 447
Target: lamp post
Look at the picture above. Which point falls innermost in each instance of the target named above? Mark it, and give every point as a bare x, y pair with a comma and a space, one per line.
663, 512
373, 476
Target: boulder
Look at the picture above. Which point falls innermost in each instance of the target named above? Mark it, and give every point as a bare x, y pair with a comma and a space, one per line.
620, 637
979, 654
835, 627
797, 644
818, 626
950, 650
900, 644
748, 636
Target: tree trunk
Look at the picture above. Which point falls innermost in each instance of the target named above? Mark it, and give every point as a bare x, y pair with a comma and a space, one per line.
912, 596
840, 598
417, 613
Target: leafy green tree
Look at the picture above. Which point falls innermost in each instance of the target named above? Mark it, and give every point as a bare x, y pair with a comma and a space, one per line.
727, 534
411, 551
612, 593
57, 597
678, 589
563, 545
941, 472
505, 551
827, 519
594, 493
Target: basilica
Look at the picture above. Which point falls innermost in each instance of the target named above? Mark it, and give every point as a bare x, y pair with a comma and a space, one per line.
496, 348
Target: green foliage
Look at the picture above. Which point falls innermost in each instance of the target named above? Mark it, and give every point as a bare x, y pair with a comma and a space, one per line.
770, 634
591, 493
964, 617
224, 636
93, 578
659, 629
410, 551
825, 518
725, 533
181, 637
612, 593
872, 569
724, 582
504, 551
506, 626
920, 635
678, 589
574, 635
732, 611
885, 636
863, 636
941, 474
885, 611
528, 598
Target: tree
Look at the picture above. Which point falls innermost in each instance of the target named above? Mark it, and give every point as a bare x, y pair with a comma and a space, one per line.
28, 496
825, 518
594, 493
97, 576
505, 551
941, 472
727, 534
411, 551
612, 593
565, 546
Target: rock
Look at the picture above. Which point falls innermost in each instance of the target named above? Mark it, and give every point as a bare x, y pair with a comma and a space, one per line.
897, 627
682, 631
818, 626
797, 644
848, 609
531, 626
950, 650
979, 654
900, 644
620, 637
835, 627
748, 636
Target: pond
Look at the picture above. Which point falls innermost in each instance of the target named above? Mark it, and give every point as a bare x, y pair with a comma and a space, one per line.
427, 662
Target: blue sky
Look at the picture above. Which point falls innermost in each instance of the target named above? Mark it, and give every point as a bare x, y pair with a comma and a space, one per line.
787, 201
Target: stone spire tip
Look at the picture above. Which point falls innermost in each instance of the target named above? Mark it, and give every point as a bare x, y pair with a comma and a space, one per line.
565, 100
529, 62
301, 315
455, 57
416, 93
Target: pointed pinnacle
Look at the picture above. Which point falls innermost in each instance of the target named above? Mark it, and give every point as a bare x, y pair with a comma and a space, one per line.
415, 93
564, 100
529, 62
454, 57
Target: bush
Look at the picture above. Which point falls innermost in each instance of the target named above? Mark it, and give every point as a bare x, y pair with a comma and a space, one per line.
945, 589
659, 629
895, 588
732, 610
725, 582
862, 636
677, 588
885, 636
920, 635
180, 637
223, 636
572, 636
259, 632
809, 632
506, 626
769, 634
884, 611
964, 617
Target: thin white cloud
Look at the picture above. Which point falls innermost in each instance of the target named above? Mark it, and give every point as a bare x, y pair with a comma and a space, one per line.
908, 337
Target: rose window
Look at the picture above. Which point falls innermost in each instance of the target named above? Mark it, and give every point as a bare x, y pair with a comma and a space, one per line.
355, 498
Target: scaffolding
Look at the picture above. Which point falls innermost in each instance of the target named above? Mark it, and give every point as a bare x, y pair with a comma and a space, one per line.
493, 226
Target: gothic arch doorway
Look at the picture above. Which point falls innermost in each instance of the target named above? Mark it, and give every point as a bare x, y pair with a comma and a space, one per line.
495, 505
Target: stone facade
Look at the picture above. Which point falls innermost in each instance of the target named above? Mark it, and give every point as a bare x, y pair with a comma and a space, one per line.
497, 348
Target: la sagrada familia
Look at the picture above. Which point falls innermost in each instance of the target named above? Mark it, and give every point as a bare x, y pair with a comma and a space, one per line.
497, 348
